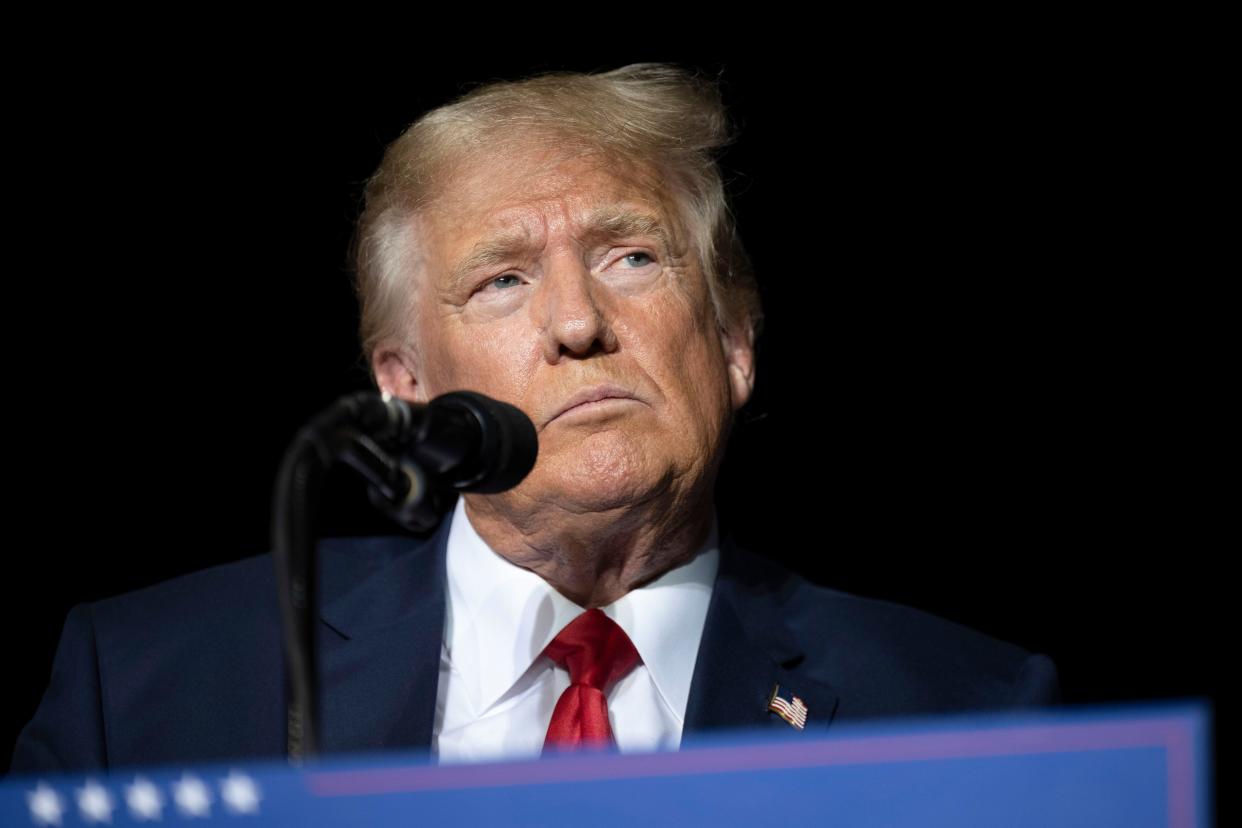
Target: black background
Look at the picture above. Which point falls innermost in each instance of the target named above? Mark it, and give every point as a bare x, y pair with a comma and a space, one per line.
987, 385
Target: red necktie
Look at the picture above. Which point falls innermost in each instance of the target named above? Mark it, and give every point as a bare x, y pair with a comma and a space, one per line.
597, 654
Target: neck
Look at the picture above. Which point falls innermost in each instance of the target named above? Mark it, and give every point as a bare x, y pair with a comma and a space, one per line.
594, 558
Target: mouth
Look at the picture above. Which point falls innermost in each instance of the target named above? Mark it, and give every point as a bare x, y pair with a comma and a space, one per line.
595, 398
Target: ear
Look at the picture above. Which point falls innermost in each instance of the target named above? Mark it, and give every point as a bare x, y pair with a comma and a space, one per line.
396, 372
738, 341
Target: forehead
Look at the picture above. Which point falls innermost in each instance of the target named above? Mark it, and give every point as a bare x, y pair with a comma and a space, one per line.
534, 194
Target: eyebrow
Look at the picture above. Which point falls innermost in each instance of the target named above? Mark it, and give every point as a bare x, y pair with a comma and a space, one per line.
601, 224
605, 223
489, 253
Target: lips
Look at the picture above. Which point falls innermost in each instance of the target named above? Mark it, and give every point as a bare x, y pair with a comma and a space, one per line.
595, 393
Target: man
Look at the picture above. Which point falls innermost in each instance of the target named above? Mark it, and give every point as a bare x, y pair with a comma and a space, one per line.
562, 244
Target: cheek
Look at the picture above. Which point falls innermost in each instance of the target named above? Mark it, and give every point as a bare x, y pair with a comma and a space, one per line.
681, 349
487, 359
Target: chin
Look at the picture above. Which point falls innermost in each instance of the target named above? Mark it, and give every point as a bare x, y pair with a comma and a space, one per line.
599, 476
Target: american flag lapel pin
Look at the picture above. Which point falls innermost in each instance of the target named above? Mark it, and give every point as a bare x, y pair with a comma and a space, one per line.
791, 709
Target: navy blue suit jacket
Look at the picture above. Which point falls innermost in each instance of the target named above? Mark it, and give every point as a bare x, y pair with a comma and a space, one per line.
191, 670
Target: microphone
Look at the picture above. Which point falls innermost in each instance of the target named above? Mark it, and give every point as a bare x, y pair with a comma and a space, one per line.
463, 440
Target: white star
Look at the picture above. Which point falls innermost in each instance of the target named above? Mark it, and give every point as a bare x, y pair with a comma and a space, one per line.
144, 799
192, 796
240, 793
45, 805
95, 802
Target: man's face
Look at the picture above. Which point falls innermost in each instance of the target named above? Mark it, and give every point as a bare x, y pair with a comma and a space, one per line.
545, 281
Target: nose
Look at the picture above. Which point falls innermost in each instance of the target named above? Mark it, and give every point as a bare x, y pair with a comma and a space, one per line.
570, 313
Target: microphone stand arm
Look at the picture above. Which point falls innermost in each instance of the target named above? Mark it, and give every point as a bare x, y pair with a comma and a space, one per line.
329, 437
462, 441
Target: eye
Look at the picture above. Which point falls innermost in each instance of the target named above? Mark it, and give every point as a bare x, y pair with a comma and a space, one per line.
644, 258
506, 280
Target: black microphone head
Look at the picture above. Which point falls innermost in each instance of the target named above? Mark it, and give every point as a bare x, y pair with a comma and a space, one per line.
509, 447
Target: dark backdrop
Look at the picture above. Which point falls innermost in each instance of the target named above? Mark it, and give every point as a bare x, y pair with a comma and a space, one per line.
976, 392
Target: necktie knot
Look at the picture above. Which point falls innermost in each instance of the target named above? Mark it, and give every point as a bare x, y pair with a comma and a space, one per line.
597, 653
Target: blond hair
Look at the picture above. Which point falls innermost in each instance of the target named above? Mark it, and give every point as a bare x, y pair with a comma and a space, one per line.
657, 116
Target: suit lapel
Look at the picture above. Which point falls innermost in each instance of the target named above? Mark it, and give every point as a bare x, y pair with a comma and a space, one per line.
747, 649
380, 646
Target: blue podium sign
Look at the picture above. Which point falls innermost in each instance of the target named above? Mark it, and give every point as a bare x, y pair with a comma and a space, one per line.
1132, 767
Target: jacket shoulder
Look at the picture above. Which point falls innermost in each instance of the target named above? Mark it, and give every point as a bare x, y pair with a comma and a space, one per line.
887, 659
242, 591
189, 667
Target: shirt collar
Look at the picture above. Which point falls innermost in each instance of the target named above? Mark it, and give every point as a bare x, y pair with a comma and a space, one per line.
501, 616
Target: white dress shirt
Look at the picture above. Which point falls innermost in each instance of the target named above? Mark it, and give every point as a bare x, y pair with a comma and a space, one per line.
497, 691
